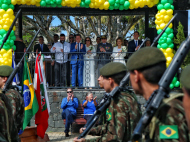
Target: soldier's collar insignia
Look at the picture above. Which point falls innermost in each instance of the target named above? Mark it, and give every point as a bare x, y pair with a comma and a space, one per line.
108, 115
168, 132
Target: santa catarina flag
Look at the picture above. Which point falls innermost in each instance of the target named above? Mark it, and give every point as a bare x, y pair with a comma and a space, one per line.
30, 100
41, 118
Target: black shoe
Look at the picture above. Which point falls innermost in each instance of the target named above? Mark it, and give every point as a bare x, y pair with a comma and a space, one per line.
66, 134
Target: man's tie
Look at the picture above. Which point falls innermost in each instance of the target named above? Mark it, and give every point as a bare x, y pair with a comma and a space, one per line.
136, 43
41, 45
78, 47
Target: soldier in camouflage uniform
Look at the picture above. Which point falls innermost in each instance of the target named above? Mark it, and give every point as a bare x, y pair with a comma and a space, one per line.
14, 97
146, 67
185, 81
123, 112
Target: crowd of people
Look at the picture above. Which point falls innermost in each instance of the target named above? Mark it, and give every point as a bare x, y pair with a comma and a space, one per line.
83, 60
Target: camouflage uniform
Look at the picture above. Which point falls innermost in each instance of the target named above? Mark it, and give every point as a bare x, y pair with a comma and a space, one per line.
125, 114
17, 104
170, 112
8, 131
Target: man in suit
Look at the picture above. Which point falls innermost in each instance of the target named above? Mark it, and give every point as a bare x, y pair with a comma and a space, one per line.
77, 60
41, 46
134, 44
104, 51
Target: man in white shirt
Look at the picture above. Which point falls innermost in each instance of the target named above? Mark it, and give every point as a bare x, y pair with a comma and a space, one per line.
61, 50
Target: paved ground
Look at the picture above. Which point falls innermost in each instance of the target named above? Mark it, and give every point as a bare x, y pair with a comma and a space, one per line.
60, 136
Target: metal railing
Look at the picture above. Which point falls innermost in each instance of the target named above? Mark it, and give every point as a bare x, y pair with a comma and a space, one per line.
59, 67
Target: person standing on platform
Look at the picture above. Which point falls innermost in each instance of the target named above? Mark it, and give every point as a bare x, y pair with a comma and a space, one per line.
145, 73
134, 44
69, 106
104, 51
77, 60
41, 47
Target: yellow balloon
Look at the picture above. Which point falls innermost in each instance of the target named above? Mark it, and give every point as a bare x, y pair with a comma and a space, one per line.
155, 1
63, 3
33, 2
5, 16
3, 51
170, 26
38, 0
91, 5
106, 5
13, 2
1, 27
163, 12
10, 11
23, 2
14, 28
169, 11
73, 5
167, 18
169, 50
169, 59
101, 7
5, 27
162, 26
131, 6
151, 4
167, 64
37, 4
67, 1
2, 12
157, 27
78, 1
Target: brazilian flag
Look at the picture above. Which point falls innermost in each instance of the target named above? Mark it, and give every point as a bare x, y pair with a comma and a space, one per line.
168, 132
30, 100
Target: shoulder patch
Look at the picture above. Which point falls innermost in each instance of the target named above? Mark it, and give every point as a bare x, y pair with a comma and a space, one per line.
168, 132
108, 115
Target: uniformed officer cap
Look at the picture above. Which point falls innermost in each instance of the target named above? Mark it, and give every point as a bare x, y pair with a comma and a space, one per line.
144, 58
103, 37
5, 70
185, 77
112, 69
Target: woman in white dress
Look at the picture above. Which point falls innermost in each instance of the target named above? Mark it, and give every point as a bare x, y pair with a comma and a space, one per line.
119, 52
89, 64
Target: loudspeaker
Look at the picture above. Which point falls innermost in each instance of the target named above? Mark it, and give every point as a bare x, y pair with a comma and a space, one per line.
182, 16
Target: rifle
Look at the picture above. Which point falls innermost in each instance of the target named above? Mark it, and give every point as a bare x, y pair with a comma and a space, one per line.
10, 29
10, 79
158, 95
155, 40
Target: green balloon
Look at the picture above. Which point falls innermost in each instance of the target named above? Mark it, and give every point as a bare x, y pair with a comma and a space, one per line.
158, 46
160, 7
111, 2
5, 6
87, 2
177, 84
58, 2
121, 7
172, 7
171, 86
11, 42
111, 7
174, 80
52, 3
59, 6
12, 33
126, 5
168, 30
47, 1
48, 5
122, 2
117, 1
170, 1
1, 42
171, 35
116, 6
169, 41
2, 32
164, 45
165, 34
42, 3
11, 6
82, 4
162, 41
159, 31
13, 38
164, 1
87, 6
165, 39
171, 45
172, 30
14, 47
167, 6
5, 47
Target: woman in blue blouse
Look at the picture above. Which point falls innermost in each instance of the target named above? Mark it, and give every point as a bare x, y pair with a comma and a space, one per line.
89, 105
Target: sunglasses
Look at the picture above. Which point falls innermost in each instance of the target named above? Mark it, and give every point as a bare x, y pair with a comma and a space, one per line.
71, 37
87, 40
69, 91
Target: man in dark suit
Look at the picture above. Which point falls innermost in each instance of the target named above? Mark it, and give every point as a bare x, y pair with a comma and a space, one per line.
104, 50
41, 46
134, 44
77, 60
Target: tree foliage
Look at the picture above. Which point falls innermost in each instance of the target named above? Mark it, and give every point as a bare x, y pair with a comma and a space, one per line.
180, 37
